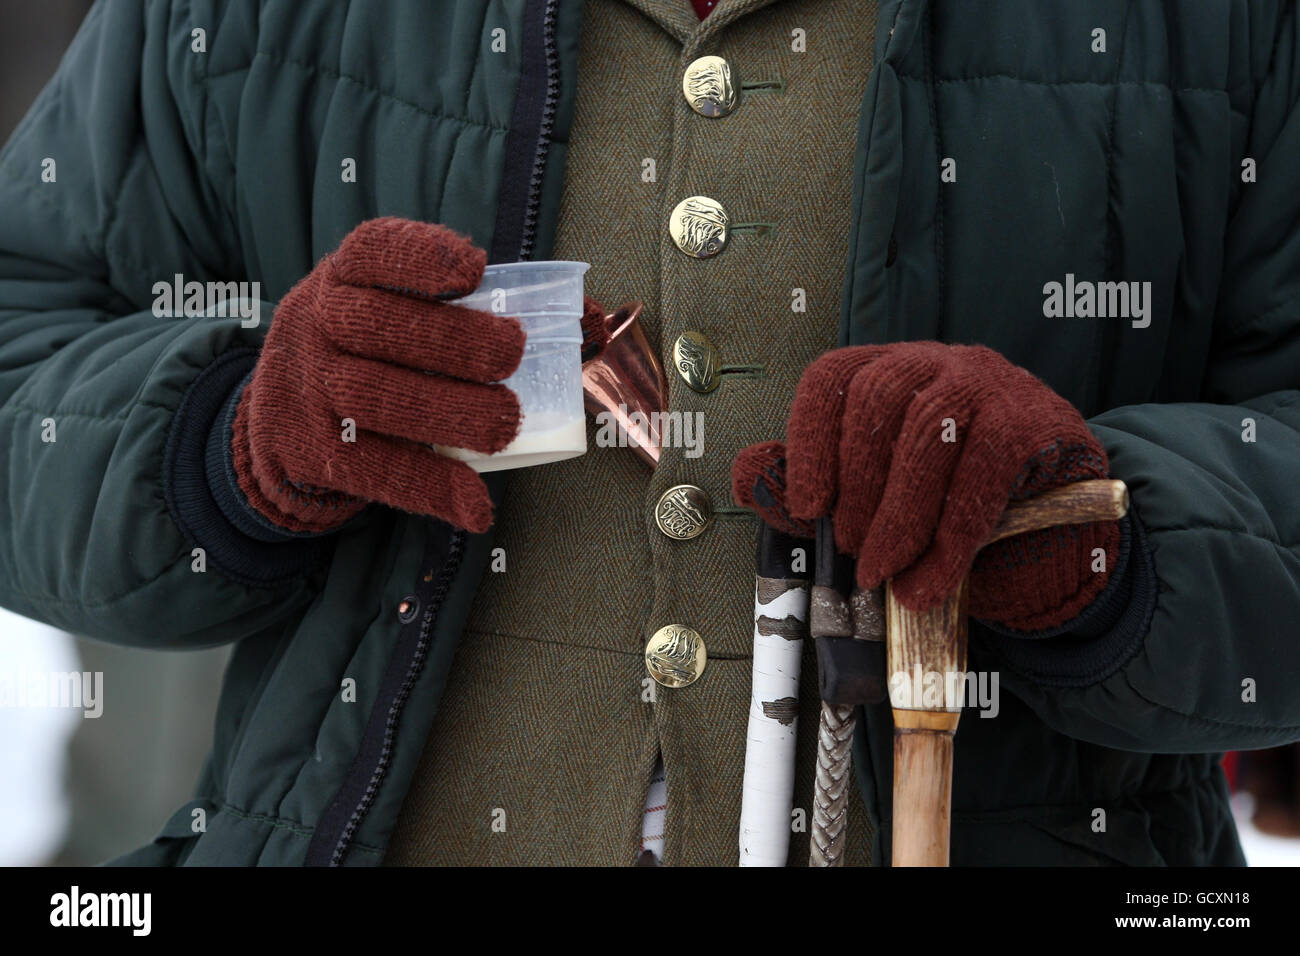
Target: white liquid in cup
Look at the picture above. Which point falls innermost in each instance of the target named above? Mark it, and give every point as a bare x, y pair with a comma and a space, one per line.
546, 297
568, 439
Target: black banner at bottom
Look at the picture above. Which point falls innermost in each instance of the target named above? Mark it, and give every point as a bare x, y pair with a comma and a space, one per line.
561, 906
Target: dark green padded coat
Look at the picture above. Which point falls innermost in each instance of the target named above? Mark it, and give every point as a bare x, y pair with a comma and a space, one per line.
1170, 156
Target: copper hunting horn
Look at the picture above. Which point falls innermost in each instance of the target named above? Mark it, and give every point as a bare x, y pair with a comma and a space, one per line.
624, 379
934, 642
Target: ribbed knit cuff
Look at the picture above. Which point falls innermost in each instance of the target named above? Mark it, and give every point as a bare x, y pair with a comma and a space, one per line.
223, 481
203, 496
1100, 640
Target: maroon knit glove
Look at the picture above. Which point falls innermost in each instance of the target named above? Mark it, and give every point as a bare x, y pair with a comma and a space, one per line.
365, 337
866, 445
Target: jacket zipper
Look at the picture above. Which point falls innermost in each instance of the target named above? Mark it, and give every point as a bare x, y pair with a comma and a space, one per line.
455, 551
545, 125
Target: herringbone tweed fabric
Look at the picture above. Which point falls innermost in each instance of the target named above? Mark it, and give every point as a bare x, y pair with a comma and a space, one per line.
546, 723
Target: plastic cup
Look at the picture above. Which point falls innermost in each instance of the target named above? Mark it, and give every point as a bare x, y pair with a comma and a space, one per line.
546, 298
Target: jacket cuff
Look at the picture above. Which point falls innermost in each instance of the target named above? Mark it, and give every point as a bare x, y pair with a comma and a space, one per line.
1100, 640
223, 480
203, 495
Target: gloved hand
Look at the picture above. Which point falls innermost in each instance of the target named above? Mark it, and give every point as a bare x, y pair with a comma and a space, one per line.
366, 336
914, 450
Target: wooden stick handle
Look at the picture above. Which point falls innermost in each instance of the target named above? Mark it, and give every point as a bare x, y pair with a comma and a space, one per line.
922, 786
927, 653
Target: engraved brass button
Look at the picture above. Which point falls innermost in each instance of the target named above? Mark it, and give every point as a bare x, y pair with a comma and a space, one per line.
675, 655
683, 512
709, 87
699, 226
697, 361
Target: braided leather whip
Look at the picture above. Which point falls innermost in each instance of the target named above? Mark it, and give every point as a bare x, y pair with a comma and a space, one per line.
830, 795
863, 618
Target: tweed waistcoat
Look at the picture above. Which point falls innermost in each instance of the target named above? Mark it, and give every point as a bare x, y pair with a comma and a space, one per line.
543, 747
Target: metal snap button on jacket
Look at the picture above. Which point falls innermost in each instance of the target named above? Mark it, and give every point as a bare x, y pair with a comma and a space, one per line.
697, 361
709, 87
675, 655
683, 512
699, 226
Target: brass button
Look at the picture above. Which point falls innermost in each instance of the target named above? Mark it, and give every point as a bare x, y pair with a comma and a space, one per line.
708, 86
683, 512
675, 655
697, 361
699, 226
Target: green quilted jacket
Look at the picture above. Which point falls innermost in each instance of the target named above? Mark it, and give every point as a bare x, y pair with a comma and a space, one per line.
208, 137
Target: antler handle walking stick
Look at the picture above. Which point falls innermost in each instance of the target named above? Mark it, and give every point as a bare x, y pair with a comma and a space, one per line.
933, 641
